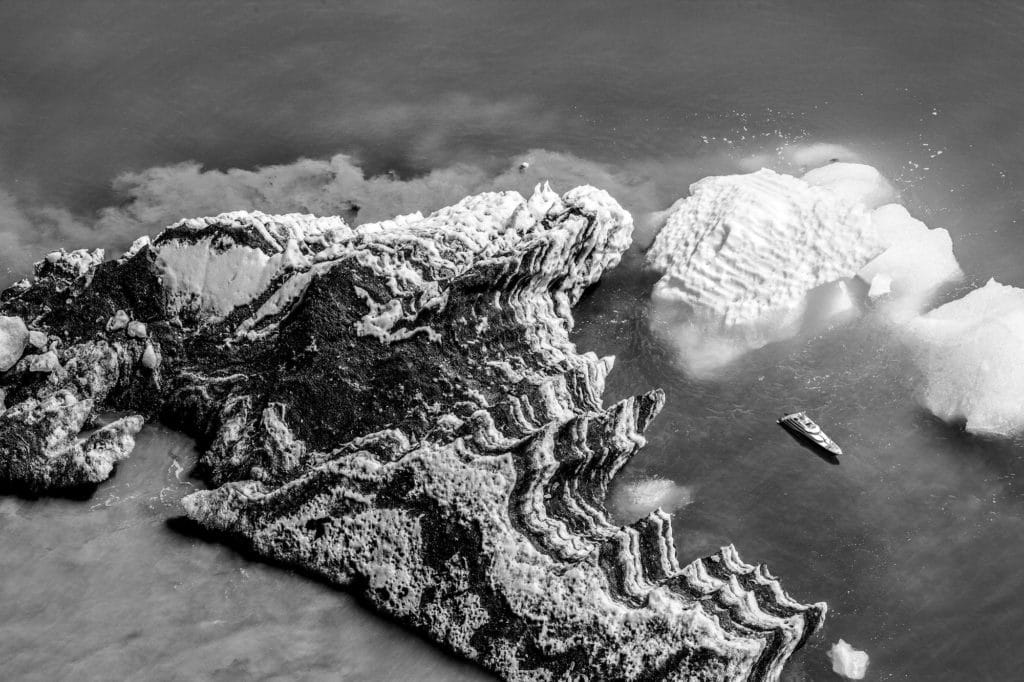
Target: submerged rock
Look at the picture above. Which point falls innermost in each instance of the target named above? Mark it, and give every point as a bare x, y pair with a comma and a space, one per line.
397, 408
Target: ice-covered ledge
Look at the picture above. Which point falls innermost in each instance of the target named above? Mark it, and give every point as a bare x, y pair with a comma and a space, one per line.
397, 408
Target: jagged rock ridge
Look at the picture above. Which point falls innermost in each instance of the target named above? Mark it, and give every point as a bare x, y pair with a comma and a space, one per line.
397, 408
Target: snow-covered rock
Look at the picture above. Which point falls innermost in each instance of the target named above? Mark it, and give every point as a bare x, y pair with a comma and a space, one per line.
740, 255
13, 339
210, 266
969, 354
848, 662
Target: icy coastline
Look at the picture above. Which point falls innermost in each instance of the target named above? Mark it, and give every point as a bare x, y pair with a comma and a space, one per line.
397, 408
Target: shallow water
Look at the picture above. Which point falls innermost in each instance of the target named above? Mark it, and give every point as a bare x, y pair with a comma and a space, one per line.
914, 540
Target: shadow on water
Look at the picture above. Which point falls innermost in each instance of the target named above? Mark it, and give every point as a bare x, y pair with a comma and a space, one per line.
997, 455
78, 493
186, 527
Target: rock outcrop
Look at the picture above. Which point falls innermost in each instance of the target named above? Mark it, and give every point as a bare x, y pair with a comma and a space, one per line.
398, 409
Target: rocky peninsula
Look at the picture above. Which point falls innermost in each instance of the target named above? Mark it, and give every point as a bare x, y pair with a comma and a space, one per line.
397, 409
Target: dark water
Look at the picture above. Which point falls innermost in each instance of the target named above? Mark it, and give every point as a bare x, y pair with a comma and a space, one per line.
914, 540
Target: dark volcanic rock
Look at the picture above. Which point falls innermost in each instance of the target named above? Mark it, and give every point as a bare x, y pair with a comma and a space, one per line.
398, 409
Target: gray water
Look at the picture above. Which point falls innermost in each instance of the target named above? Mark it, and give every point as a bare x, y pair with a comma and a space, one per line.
914, 540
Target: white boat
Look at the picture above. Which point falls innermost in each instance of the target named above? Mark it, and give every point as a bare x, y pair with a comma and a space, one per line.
802, 426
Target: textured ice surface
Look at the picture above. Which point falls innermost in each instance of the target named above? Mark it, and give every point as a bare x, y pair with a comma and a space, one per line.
741, 254
847, 661
969, 352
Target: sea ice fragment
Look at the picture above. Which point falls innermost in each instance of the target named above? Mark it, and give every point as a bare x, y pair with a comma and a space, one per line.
848, 662
969, 354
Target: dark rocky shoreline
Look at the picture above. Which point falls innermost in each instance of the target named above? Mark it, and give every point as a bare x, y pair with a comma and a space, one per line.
396, 408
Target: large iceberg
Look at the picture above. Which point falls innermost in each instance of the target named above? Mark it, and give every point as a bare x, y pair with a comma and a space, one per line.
968, 352
750, 259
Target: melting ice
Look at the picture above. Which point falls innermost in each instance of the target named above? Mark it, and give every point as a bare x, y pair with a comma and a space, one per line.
750, 259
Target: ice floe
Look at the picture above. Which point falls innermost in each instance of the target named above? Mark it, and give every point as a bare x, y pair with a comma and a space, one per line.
969, 353
741, 256
848, 662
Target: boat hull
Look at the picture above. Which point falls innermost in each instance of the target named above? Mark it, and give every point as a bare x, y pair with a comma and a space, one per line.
803, 428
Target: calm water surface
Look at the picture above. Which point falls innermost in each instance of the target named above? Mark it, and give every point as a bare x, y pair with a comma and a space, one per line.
915, 540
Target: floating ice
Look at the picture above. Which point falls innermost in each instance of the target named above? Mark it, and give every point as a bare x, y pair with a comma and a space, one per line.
740, 256
916, 261
642, 497
847, 661
969, 353
855, 182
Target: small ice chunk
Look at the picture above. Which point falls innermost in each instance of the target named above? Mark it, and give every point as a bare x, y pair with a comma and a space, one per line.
137, 329
881, 284
13, 339
137, 245
118, 321
969, 353
848, 662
